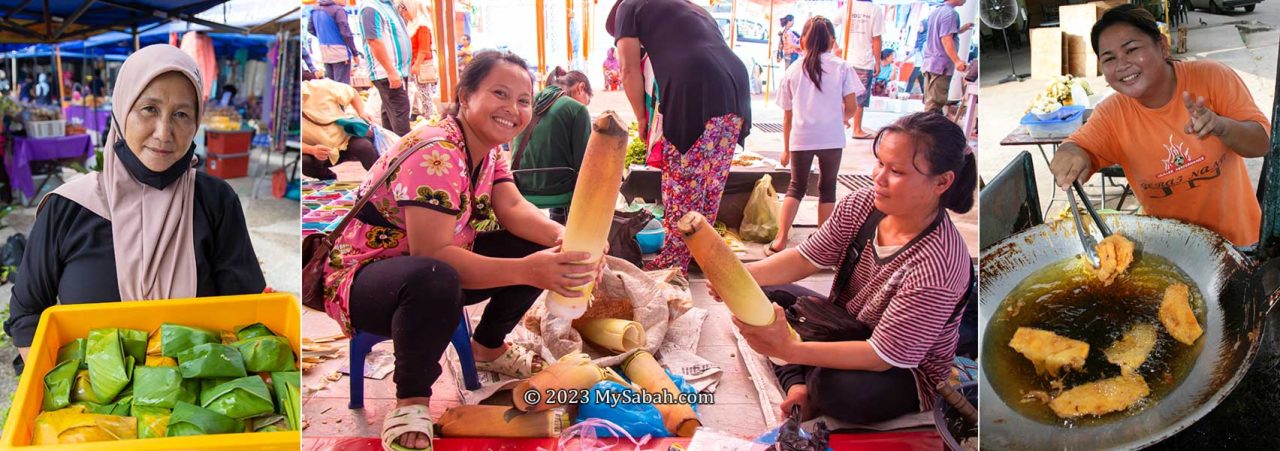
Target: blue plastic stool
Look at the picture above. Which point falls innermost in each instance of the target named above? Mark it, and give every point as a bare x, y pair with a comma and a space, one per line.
363, 342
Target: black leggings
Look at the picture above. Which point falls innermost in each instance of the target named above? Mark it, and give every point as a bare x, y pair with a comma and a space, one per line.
828, 165
357, 149
916, 75
854, 396
417, 301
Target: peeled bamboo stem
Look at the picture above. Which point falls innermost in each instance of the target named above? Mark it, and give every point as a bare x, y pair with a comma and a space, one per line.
598, 182
571, 372
645, 372
732, 282
617, 335
499, 421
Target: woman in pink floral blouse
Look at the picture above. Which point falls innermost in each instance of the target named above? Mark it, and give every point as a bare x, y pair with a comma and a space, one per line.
428, 243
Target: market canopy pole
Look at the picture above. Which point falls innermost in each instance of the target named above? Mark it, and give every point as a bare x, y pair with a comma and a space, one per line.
57, 56
452, 41
848, 15
733, 25
586, 31
568, 29
768, 83
442, 67
540, 27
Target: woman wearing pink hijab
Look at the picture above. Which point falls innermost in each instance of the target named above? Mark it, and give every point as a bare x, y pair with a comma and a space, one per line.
181, 233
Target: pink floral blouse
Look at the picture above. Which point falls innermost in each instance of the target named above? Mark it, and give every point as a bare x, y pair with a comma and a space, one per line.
436, 177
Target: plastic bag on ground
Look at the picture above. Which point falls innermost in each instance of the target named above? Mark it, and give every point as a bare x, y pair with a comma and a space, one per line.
760, 218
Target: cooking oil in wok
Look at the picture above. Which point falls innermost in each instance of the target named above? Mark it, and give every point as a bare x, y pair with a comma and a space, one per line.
1067, 299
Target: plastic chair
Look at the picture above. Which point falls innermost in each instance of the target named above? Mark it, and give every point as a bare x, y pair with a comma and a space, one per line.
363, 342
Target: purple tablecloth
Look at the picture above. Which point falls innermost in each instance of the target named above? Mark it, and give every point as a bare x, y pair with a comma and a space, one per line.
98, 120
26, 150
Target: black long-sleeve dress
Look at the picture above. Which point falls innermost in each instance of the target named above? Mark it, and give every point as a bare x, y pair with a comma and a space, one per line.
70, 258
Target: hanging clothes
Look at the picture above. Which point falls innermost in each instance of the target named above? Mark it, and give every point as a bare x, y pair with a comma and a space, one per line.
200, 47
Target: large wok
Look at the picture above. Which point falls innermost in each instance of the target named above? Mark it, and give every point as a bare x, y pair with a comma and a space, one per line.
1233, 292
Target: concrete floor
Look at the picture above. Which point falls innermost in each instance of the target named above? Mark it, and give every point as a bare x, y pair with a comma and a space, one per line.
1221, 37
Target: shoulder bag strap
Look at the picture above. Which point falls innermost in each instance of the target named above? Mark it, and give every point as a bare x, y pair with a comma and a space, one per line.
364, 199
850, 262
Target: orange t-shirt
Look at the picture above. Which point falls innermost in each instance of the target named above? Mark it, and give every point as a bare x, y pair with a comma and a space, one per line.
1175, 174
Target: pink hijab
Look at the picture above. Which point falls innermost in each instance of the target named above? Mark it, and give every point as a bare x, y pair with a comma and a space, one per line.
152, 228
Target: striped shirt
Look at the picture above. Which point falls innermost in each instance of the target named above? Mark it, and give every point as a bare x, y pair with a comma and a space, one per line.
379, 19
907, 299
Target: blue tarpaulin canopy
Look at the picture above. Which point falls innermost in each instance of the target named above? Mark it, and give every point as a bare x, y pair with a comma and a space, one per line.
46, 51
49, 21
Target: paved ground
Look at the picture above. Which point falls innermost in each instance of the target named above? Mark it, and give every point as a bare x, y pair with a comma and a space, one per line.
273, 228
1248, 42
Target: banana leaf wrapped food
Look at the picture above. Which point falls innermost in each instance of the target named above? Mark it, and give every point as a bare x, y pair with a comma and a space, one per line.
135, 344
120, 383
272, 422
265, 354
189, 419
82, 390
176, 338
120, 407
109, 367
73, 350
161, 386
73, 425
207, 386
153, 422
211, 360
240, 398
253, 330
58, 383
159, 360
288, 396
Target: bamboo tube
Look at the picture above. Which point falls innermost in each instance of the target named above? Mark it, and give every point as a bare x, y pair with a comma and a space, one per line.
571, 372
732, 282
592, 214
731, 279
617, 335
499, 421
642, 369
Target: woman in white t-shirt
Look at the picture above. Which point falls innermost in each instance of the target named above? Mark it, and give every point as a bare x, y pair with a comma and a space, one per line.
818, 96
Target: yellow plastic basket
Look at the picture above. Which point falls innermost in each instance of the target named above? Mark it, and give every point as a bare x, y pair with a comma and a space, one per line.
61, 324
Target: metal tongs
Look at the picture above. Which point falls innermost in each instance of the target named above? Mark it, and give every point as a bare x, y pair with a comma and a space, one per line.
1086, 239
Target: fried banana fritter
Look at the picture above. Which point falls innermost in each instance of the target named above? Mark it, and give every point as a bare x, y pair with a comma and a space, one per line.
1176, 314
1049, 352
1100, 397
1131, 351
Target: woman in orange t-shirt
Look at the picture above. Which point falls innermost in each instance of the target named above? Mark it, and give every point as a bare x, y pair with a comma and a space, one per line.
1180, 130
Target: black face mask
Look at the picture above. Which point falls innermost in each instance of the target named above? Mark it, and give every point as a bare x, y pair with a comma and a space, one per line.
157, 180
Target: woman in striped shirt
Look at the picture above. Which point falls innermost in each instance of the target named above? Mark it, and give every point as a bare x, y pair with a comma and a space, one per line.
874, 349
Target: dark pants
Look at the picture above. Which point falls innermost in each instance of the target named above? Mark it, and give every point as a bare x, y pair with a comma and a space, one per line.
417, 301
360, 149
339, 72
395, 106
828, 166
854, 396
560, 215
915, 76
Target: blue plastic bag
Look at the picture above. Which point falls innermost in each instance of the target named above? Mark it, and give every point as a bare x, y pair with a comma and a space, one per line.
637, 419
685, 388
